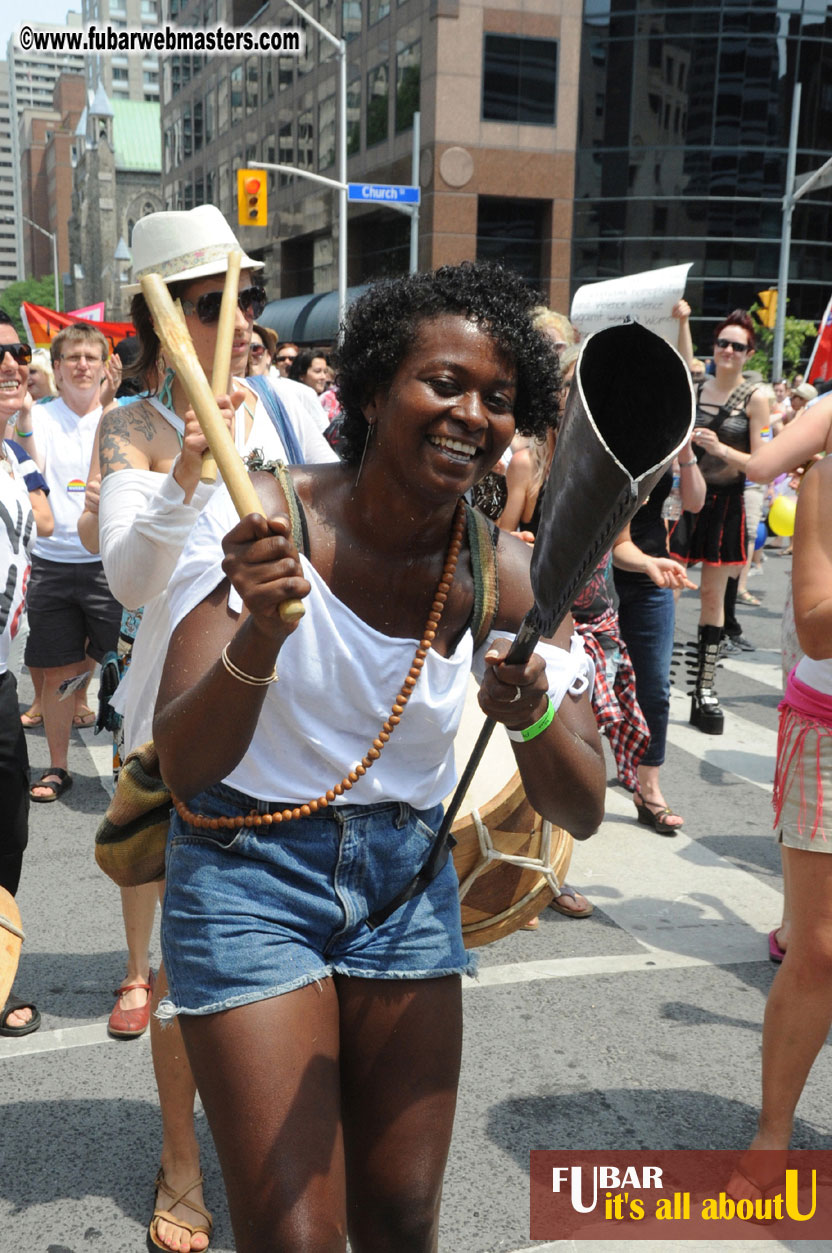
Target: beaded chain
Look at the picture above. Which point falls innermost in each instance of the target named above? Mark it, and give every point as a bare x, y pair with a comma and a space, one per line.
373, 753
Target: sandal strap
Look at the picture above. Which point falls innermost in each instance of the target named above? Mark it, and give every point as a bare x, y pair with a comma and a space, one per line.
162, 1186
133, 987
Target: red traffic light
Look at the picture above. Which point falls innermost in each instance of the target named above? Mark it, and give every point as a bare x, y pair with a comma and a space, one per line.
252, 186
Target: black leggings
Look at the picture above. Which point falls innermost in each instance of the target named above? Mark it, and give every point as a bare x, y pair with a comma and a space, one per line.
14, 786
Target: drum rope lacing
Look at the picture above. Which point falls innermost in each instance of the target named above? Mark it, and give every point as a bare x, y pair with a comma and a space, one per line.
440, 597
490, 853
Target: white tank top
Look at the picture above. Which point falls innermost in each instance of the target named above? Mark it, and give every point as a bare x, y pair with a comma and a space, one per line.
338, 680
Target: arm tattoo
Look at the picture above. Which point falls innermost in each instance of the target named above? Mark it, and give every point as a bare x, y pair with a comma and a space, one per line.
118, 434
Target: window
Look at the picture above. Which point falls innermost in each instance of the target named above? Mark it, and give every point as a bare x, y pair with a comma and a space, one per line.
511, 231
197, 128
353, 116
236, 95
222, 106
120, 76
519, 80
285, 142
326, 132
209, 122
252, 84
378, 90
407, 85
306, 138
187, 132
350, 18
378, 10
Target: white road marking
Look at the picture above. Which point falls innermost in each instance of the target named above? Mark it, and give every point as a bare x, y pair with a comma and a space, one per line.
745, 750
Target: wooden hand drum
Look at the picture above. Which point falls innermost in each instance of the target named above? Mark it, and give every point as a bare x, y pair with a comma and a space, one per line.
510, 862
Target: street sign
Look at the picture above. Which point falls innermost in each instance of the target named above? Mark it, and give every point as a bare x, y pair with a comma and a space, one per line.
383, 193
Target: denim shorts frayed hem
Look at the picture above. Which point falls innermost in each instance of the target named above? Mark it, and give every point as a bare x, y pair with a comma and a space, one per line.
254, 913
166, 1011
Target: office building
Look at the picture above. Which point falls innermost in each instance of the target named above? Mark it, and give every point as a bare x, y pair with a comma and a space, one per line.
683, 136
497, 90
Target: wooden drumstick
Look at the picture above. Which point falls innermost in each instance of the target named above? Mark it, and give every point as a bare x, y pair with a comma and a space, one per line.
180, 352
222, 350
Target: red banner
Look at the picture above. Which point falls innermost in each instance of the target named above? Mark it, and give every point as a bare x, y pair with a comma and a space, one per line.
42, 325
820, 362
674, 1195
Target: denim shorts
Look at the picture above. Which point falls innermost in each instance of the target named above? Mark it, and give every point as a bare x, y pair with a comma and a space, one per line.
255, 912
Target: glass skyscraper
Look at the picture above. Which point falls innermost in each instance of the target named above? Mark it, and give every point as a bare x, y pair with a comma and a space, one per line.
683, 136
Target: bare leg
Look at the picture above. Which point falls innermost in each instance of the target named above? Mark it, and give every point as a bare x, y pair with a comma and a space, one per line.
81, 706
57, 716
180, 1150
712, 594
400, 1056
35, 710
138, 906
799, 1008
782, 934
650, 789
268, 1078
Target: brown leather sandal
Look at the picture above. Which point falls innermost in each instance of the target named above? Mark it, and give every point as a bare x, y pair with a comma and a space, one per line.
164, 1215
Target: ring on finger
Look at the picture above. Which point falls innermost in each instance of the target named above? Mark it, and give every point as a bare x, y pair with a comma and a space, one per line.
518, 692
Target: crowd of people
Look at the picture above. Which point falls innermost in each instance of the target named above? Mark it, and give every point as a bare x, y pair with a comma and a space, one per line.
326, 1050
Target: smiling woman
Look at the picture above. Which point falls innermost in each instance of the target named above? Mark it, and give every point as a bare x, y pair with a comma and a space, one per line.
314, 810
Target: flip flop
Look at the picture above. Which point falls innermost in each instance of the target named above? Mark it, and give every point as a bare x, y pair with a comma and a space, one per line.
30, 720
84, 718
566, 890
747, 598
775, 952
63, 784
11, 1005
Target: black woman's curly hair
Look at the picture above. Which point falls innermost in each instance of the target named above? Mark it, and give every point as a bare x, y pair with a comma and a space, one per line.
382, 325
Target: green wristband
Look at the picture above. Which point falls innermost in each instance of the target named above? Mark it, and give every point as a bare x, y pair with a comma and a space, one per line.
23, 434
537, 728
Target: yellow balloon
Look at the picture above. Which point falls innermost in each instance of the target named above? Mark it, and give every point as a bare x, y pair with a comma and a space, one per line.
781, 515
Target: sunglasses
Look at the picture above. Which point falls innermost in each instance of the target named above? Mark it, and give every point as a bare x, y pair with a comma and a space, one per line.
257, 350
21, 353
252, 301
733, 345
287, 357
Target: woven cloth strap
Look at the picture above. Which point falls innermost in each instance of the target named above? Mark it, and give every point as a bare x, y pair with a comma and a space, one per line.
482, 543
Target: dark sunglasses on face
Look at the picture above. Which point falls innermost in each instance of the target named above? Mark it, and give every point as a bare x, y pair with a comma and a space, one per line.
290, 357
21, 353
732, 344
257, 350
252, 301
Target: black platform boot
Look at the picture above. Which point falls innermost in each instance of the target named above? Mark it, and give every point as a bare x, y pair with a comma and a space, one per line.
705, 710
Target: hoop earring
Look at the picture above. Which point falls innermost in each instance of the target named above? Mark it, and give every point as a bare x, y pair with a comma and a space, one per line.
370, 428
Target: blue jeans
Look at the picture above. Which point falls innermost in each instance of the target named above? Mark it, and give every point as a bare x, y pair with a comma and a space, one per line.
647, 616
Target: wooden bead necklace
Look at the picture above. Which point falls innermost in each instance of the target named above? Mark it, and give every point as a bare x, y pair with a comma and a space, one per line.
373, 753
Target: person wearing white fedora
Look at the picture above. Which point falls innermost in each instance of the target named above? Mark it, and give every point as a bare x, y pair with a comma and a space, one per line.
150, 457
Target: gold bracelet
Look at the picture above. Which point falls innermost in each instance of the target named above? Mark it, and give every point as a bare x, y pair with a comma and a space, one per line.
252, 679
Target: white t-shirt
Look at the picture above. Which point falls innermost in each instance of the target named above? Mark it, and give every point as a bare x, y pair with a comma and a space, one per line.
17, 534
65, 442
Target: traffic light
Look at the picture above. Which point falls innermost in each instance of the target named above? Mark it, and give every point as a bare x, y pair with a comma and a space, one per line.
767, 313
252, 209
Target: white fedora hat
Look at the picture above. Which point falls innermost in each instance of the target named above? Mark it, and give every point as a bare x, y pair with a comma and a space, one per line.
183, 245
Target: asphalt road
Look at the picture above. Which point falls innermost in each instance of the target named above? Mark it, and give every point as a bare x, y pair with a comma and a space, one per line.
639, 1027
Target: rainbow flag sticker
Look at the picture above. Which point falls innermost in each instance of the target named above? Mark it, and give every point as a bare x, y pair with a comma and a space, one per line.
76, 485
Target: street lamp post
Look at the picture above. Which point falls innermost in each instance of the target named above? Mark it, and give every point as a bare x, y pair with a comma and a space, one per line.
340, 46
54, 238
795, 189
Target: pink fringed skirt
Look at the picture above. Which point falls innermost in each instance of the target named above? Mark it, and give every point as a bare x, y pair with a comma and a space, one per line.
804, 767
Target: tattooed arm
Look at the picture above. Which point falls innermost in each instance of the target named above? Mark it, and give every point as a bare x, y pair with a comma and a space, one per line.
124, 437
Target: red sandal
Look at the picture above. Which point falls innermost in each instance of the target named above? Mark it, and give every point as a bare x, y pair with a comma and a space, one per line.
127, 1024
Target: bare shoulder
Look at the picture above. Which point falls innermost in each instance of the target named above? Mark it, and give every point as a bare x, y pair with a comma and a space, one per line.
513, 563
126, 435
